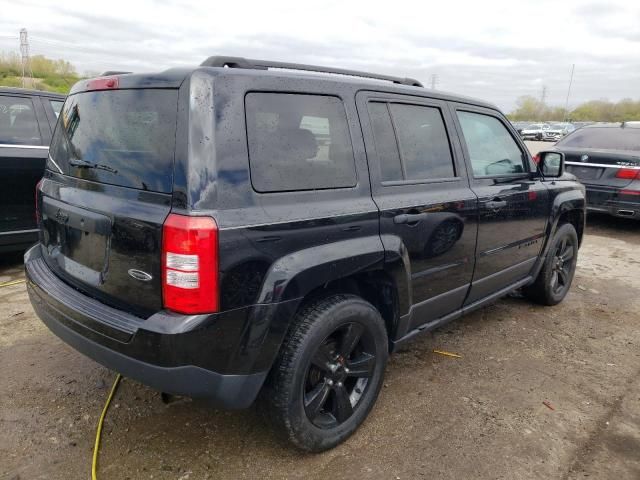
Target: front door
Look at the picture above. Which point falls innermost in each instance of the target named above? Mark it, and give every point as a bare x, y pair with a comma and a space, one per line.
513, 206
420, 186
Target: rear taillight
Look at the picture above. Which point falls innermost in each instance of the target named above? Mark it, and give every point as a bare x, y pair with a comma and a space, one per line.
190, 264
628, 173
103, 83
37, 195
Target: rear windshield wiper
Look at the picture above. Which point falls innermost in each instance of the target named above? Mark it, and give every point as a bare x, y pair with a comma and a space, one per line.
97, 166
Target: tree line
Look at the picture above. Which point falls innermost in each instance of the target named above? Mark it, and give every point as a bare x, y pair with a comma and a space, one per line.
52, 75
529, 108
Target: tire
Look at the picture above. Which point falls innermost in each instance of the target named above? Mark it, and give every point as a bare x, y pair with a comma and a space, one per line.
555, 277
306, 401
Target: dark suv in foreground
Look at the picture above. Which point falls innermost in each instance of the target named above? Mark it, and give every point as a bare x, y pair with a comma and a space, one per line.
240, 232
27, 118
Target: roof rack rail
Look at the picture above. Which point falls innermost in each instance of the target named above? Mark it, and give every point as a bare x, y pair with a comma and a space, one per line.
113, 72
248, 63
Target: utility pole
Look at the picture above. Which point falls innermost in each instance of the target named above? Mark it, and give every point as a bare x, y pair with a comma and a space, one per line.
566, 103
543, 98
434, 81
26, 60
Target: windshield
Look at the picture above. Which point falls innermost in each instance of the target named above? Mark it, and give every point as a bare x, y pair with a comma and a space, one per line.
120, 137
604, 139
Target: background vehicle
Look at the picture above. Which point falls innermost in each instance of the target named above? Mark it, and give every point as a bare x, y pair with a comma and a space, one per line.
519, 126
220, 232
27, 118
556, 131
534, 131
606, 159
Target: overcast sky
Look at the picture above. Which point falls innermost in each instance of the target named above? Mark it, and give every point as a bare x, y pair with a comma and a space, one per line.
494, 50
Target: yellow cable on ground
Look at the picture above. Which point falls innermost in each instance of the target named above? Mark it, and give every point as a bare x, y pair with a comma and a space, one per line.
14, 282
96, 445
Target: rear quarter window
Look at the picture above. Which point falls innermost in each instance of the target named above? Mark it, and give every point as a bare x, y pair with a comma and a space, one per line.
298, 142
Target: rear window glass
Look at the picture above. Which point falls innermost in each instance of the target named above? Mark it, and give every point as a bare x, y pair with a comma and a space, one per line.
298, 142
120, 137
18, 124
604, 138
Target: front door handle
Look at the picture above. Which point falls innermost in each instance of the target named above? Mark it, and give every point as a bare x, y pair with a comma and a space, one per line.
496, 204
409, 218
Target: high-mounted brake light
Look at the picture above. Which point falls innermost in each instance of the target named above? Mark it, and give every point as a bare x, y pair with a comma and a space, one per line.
190, 264
103, 83
628, 173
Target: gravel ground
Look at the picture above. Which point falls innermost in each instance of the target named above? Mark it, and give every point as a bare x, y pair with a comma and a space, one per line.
480, 416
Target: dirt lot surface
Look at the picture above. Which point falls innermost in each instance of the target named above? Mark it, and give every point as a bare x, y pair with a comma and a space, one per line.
480, 416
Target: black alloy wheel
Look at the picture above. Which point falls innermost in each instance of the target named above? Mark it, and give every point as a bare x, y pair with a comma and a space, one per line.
328, 373
562, 267
338, 375
554, 280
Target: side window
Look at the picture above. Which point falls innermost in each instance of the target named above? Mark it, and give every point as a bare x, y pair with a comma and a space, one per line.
419, 149
57, 106
298, 142
423, 142
385, 142
492, 149
18, 124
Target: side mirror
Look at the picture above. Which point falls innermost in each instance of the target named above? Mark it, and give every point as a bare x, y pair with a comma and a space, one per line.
551, 164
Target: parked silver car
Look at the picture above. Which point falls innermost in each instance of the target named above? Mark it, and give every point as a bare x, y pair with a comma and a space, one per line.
556, 131
535, 131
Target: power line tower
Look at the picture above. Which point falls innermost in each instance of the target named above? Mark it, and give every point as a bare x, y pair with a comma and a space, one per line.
26, 59
543, 94
434, 81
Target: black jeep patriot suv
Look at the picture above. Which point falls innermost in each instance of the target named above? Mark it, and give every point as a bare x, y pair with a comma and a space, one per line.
249, 231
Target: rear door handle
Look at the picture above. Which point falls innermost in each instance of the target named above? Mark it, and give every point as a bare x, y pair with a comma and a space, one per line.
409, 218
496, 204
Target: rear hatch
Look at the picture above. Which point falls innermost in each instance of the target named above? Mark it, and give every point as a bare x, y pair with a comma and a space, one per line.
107, 192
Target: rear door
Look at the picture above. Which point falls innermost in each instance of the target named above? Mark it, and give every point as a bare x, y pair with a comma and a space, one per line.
107, 193
513, 208
24, 140
419, 184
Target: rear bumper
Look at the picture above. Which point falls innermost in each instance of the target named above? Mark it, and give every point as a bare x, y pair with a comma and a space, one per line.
201, 356
608, 200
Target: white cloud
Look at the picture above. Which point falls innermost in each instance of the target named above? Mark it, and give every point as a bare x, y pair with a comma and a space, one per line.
495, 50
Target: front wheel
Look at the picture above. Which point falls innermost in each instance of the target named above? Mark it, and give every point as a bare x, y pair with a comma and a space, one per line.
328, 373
555, 277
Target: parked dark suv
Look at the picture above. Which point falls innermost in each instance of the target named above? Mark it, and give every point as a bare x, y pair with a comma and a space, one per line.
27, 118
237, 232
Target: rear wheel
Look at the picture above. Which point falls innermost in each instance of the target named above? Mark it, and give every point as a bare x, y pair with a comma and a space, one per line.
328, 373
555, 277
